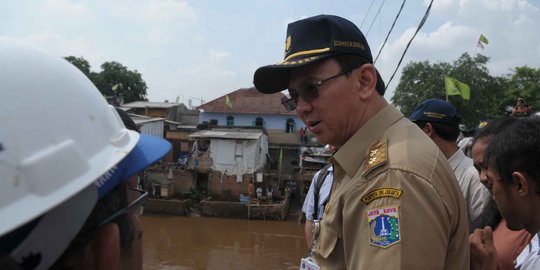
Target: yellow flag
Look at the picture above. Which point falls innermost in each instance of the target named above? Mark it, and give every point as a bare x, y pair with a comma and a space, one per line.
455, 87
228, 102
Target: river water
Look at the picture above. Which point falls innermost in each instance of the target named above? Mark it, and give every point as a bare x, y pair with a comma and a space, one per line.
215, 243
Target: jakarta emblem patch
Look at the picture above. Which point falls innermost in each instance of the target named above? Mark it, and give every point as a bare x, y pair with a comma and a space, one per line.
384, 226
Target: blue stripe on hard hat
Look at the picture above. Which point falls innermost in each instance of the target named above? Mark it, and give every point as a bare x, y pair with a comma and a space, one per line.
149, 150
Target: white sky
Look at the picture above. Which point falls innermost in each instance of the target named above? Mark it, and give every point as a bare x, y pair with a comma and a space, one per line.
207, 48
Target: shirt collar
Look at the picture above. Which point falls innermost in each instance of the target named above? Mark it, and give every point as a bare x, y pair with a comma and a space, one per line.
351, 155
456, 158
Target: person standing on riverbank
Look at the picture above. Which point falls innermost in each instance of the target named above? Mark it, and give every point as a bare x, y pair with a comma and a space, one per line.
386, 168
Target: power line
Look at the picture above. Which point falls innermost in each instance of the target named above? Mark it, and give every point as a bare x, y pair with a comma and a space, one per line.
410, 41
376, 15
365, 16
391, 28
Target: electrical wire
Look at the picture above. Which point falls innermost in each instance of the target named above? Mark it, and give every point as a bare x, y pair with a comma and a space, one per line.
376, 15
391, 28
365, 17
410, 41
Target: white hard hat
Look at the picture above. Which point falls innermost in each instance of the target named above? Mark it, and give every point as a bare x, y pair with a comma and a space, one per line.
58, 136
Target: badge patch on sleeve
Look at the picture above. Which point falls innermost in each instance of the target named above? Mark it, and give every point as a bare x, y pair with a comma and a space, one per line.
384, 226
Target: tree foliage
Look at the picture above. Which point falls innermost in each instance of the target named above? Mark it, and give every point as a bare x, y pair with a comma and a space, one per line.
423, 80
524, 82
114, 79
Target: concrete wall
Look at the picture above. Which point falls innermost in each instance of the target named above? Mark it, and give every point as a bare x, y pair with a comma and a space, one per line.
183, 180
167, 207
279, 211
228, 184
224, 209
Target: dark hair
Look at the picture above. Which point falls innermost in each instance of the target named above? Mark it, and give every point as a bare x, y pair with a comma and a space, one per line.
107, 206
351, 61
128, 122
447, 132
517, 149
493, 128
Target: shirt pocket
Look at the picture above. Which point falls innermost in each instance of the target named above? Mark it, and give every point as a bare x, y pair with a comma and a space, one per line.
326, 243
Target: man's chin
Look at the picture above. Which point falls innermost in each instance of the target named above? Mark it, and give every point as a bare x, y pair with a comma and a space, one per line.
514, 227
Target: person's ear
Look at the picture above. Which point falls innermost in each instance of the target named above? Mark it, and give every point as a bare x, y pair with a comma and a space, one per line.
522, 185
428, 129
366, 76
106, 247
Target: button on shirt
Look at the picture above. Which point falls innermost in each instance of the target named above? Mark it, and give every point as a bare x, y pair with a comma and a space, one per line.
406, 213
324, 193
476, 194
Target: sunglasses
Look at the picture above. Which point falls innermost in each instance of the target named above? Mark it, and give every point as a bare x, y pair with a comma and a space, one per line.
137, 198
309, 92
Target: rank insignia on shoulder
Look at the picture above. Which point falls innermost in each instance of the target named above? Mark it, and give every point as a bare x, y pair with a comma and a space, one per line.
376, 156
384, 226
381, 192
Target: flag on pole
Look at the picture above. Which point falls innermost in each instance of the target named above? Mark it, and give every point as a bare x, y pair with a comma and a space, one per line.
482, 40
228, 102
455, 87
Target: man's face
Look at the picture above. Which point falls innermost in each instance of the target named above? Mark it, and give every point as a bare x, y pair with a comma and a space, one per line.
477, 152
334, 115
133, 259
505, 196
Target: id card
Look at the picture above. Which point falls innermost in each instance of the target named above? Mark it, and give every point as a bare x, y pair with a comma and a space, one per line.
308, 264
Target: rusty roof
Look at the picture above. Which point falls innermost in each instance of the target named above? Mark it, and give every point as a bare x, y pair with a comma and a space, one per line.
248, 100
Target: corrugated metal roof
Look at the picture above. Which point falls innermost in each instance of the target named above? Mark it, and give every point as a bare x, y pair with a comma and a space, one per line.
150, 104
141, 119
226, 135
248, 100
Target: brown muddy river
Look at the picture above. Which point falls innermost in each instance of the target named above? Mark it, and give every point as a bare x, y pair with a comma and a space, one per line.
214, 243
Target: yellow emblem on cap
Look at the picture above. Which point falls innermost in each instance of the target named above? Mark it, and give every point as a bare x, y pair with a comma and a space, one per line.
376, 156
288, 42
381, 192
482, 124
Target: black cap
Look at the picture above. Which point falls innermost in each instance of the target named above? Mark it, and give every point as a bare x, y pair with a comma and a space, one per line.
309, 41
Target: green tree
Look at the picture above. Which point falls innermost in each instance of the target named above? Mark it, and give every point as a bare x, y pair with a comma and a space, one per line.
524, 82
422, 80
80, 63
113, 79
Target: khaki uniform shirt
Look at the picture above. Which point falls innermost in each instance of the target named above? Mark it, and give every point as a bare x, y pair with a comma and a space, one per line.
395, 203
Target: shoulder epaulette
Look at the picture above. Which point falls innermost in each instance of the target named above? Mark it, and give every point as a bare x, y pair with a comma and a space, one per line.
376, 156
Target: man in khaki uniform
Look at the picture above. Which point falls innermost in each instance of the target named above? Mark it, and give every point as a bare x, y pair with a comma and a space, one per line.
395, 202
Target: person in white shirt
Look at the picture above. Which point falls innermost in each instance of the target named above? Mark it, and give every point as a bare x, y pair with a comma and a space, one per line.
321, 185
514, 178
440, 121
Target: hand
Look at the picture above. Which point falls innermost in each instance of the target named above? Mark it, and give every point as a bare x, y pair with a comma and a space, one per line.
483, 253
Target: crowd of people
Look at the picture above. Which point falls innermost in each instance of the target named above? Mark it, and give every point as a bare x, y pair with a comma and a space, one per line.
398, 193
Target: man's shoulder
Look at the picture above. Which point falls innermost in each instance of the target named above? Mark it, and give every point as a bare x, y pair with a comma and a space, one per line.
410, 148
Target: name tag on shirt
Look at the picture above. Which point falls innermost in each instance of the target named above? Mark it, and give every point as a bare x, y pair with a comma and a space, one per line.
308, 264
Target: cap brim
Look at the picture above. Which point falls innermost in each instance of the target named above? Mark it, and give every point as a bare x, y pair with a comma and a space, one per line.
149, 150
275, 78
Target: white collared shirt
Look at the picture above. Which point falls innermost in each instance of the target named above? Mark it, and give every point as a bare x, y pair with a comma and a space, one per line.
324, 193
529, 258
476, 194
